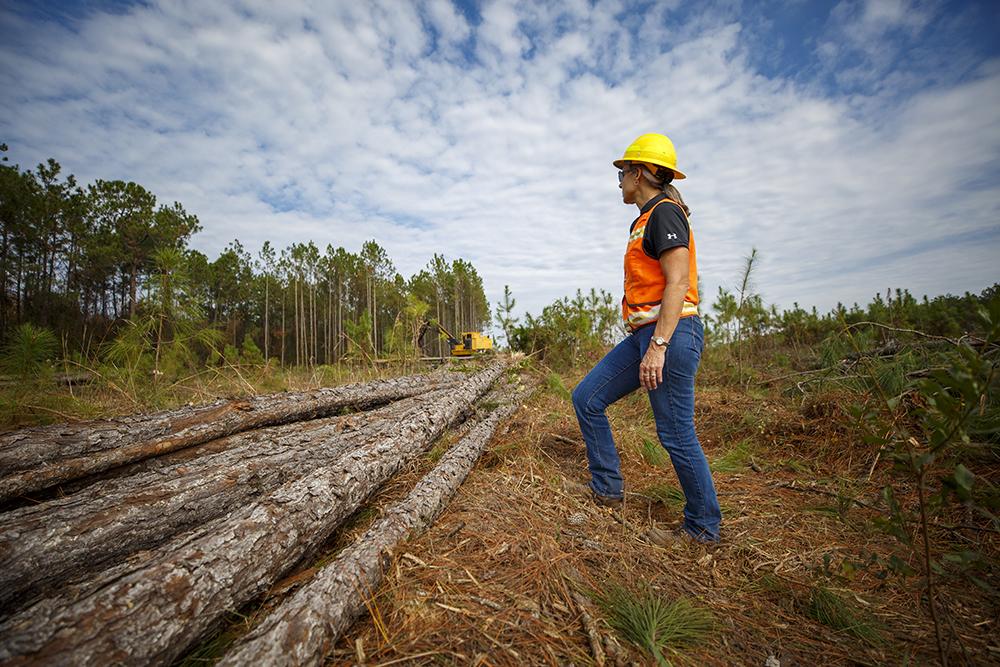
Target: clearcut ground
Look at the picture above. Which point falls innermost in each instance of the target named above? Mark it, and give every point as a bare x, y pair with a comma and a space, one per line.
492, 581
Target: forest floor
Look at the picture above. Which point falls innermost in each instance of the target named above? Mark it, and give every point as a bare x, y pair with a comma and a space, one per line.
791, 583
506, 575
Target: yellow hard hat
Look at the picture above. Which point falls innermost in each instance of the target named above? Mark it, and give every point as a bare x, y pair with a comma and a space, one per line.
654, 149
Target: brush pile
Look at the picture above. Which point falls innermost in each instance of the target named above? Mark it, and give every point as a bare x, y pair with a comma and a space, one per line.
130, 541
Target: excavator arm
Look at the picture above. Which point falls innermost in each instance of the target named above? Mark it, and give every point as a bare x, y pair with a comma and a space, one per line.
452, 341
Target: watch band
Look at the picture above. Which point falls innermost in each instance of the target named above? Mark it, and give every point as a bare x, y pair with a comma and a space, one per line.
661, 341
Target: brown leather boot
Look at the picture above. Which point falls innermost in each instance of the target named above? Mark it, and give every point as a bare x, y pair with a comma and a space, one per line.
579, 489
673, 537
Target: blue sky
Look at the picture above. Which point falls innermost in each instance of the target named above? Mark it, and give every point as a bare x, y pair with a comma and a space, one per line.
855, 143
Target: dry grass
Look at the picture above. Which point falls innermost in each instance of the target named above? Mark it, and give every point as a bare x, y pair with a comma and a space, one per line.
44, 401
494, 581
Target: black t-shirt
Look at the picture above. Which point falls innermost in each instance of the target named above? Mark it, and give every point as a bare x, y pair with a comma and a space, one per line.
666, 228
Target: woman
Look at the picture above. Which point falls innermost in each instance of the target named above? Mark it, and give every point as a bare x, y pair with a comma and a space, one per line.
663, 348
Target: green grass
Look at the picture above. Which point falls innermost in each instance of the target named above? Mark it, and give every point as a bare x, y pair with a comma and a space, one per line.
436, 452
487, 406
554, 384
212, 649
362, 518
668, 494
835, 612
768, 583
43, 401
651, 622
820, 508
653, 453
795, 465
734, 460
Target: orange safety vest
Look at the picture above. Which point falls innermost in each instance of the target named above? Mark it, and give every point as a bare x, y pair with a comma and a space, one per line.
644, 280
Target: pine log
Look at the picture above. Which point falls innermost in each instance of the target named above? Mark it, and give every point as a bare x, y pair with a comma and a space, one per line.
151, 615
46, 546
35, 458
304, 628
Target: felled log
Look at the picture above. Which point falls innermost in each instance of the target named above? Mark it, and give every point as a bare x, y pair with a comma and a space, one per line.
45, 546
304, 628
152, 614
35, 458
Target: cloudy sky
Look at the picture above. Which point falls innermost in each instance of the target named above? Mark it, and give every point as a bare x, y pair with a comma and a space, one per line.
856, 144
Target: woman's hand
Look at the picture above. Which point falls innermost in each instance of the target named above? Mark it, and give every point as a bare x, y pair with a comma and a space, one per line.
651, 368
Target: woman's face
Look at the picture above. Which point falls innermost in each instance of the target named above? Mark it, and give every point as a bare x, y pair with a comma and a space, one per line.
628, 180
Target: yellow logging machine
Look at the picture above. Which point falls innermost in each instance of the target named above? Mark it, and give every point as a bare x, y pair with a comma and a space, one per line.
471, 342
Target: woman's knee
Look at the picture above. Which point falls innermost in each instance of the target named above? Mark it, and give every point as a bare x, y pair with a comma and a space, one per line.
579, 398
677, 436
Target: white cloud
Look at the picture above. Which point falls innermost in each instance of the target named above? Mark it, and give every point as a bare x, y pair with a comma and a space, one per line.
340, 122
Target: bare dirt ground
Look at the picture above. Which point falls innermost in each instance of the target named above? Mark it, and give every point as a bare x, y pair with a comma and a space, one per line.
493, 581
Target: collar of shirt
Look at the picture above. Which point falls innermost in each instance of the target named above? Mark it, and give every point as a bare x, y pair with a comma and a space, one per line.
645, 207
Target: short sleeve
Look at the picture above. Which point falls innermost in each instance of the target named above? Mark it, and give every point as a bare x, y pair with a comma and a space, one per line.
667, 228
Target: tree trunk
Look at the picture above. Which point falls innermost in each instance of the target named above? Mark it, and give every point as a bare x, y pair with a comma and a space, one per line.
304, 629
133, 281
36, 458
340, 313
295, 299
152, 614
313, 354
267, 328
329, 322
284, 332
43, 547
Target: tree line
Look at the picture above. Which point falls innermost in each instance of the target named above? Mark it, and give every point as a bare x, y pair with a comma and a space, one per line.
109, 269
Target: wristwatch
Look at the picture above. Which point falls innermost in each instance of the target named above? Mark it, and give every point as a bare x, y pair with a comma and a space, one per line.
661, 341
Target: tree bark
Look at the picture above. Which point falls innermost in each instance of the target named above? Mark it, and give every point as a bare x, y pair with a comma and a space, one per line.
304, 629
43, 547
153, 614
35, 458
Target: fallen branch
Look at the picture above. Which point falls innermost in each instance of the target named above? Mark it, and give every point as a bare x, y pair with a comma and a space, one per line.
915, 332
590, 627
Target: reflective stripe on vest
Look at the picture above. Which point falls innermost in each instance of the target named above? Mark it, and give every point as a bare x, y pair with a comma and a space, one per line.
644, 280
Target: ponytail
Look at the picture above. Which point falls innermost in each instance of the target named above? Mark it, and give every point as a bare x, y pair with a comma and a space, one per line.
661, 177
673, 193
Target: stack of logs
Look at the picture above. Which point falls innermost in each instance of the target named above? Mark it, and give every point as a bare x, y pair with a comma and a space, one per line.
129, 541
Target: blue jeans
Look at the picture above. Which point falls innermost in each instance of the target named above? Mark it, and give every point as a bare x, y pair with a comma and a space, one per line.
617, 375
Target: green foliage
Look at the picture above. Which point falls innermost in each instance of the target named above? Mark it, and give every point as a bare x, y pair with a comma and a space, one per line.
734, 460
668, 494
403, 338
27, 352
570, 331
555, 385
359, 337
437, 451
250, 353
653, 453
231, 355
505, 314
129, 352
83, 261
835, 612
934, 438
946, 316
645, 619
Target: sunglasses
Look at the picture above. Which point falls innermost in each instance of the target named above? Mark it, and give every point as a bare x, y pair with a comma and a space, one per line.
622, 172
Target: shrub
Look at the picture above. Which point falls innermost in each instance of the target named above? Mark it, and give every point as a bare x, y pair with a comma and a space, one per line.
28, 350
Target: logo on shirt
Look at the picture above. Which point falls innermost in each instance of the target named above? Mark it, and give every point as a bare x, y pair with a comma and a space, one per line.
671, 236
